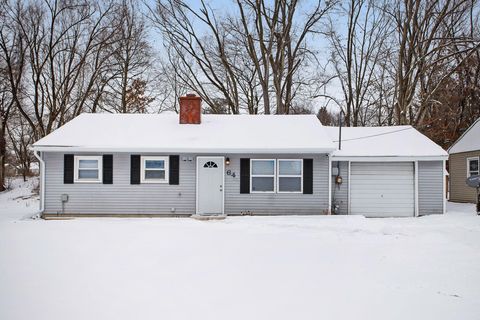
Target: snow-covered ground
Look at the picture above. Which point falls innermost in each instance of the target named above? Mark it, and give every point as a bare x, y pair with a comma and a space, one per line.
323, 267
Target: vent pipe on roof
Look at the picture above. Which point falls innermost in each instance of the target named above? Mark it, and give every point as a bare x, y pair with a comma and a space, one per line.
190, 109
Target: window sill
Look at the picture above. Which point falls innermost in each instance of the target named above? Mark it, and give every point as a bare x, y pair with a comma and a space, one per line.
87, 181
262, 191
154, 182
300, 192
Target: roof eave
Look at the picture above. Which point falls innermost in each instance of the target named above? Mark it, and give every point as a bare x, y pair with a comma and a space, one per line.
375, 158
183, 150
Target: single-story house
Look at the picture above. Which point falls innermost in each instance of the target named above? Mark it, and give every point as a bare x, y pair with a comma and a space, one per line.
463, 162
169, 165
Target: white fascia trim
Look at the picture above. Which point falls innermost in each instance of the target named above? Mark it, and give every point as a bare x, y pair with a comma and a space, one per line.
186, 150
417, 207
42, 180
386, 159
329, 184
444, 177
349, 184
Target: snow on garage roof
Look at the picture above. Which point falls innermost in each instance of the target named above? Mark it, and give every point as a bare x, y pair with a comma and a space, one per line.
395, 141
163, 133
469, 140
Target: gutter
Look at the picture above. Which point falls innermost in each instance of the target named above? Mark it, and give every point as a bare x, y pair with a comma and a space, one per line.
389, 158
42, 179
262, 150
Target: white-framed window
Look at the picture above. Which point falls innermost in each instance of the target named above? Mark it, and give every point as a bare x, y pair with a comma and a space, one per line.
473, 166
262, 175
290, 176
88, 169
154, 169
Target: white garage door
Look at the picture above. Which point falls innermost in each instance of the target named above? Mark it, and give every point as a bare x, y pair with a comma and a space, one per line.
385, 189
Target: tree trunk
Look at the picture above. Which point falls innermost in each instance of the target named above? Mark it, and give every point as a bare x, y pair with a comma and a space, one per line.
3, 158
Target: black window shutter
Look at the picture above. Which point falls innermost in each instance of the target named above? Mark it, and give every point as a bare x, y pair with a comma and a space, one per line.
174, 170
107, 169
68, 168
308, 176
245, 175
134, 169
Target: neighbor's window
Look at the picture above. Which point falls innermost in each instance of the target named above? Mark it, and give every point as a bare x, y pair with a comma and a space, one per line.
262, 175
154, 169
290, 175
88, 169
473, 167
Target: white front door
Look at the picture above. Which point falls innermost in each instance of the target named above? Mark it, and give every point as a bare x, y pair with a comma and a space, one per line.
210, 186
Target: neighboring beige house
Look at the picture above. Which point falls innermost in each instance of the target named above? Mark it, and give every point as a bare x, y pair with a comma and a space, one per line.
464, 161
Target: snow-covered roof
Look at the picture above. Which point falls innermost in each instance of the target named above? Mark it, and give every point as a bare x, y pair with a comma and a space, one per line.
394, 141
469, 140
163, 133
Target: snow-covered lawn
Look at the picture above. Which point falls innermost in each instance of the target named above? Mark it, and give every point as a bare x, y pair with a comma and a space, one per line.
240, 268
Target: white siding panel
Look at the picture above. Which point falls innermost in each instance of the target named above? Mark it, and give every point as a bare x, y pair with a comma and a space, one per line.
430, 187
382, 189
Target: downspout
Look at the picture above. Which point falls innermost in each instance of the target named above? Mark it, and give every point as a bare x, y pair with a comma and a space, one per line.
329, 183
38, 155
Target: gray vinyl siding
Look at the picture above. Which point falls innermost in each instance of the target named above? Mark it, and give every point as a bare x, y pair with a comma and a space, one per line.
120, 197
430, 187
340, 192
123, 198
278, 203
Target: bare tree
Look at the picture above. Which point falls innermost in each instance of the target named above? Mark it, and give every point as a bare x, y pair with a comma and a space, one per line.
257, 56
455, 100
21, 136
356, 56
424, 32
65, 45
277, 42
131, 59
200, 62
12, 61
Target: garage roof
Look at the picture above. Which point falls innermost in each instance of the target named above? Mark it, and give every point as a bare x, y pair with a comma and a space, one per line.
393, 141
215, 134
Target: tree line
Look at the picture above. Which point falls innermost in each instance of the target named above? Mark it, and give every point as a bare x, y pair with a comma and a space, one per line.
386, 62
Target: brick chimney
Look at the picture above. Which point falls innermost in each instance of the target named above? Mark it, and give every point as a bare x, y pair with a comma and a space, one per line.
190, 109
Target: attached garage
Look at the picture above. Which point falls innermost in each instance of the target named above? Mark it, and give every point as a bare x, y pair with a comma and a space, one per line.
386, 172
382, 189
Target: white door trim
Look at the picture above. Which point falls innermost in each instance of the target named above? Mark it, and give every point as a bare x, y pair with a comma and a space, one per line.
349, 183
416, 213
222, 160
329, 183
444, 177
